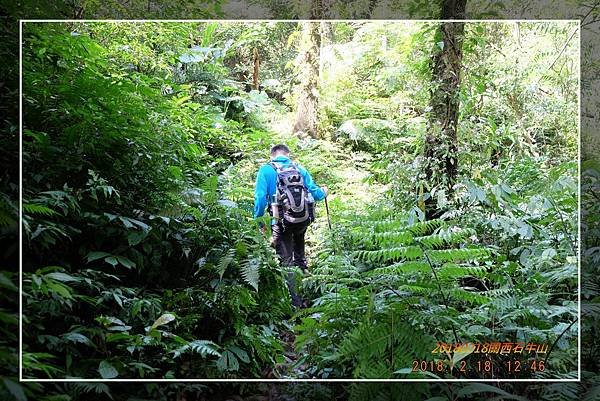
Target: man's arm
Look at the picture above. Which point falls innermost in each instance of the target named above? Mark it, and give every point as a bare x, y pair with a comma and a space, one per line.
260, 193
316, 191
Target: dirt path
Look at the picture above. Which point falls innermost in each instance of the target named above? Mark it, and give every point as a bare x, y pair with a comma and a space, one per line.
349, 193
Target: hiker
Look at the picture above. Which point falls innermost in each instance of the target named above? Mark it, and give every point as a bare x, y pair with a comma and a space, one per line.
290, 193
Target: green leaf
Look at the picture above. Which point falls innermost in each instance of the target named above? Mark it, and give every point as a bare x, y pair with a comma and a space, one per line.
460, 355
75, 337
107, 371
119, 328
548, 253
96, 255
228, 362
165, 318
250, 272
126, 222
112, 260
134, 238
240, 353
15, 389
62, 277
202, 347
125, 262
60, 289
112, 337
5, 282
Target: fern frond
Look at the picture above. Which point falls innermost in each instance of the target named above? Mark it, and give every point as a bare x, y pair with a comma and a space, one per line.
456, 255
561, 274
420, 289
202, 347
364, 339
470, 297
373, 369
502, 299
225, 261
563, 392
389, 238
445, 238
425, 227
250, 272
349, 280
390, 254
452, 270
36, 209
88, 388
404, 267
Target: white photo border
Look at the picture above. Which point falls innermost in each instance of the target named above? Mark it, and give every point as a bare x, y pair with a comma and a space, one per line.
284, 380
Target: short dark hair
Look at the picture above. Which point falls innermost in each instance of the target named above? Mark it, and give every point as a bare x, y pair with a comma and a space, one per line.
280, 148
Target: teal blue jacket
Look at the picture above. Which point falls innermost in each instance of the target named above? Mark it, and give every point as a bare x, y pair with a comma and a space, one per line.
266, 185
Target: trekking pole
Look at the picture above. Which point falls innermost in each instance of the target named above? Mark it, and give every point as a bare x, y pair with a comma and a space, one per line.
327, 210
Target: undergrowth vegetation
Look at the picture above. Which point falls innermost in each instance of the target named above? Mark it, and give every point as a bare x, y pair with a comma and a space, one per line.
132, 256
387, 289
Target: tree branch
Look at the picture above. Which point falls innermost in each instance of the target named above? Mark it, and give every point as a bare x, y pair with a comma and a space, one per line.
558, 338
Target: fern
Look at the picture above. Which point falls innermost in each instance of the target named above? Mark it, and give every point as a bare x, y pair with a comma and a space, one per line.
364, 339
502, 299
403, 267
425, 227
452, 270
37, 209
445, 238
390, 254
87, 388
225, 261
420, 289
250, 272
382, 347
469, 297
209, 189
202, 347
394, 268
455, 255
388, 238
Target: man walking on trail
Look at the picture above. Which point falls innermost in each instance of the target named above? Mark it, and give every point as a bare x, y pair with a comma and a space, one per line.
289, 192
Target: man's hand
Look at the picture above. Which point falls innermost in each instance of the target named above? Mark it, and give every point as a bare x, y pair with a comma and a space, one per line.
325, 189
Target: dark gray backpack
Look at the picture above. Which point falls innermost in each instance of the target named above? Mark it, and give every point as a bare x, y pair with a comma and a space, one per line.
293, 200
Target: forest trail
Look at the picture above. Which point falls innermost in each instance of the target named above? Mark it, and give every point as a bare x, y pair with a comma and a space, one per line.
351, 193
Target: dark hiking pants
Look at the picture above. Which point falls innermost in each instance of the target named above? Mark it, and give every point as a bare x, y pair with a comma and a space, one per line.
289, 245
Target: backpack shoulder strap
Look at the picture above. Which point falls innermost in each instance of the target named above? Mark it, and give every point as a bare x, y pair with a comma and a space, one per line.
275, 166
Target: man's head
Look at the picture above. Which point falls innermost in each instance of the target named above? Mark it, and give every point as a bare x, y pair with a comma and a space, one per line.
280, 150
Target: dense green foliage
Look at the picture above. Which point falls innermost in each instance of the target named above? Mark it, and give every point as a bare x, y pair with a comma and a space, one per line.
515, 203
127, 236
480, 283
141, 258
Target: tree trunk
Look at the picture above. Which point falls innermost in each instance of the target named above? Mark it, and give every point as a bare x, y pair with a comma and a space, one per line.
441, 159
306, 117
256, 69
326, 34
372, 5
